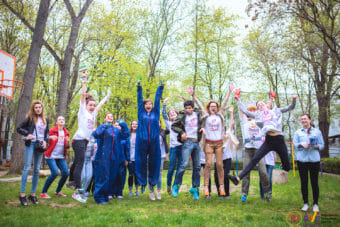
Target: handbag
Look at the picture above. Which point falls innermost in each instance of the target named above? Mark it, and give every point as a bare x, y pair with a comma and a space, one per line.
38, 145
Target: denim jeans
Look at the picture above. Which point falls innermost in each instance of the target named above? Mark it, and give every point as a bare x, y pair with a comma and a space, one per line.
175, 159
87, 173
192, 149
37, 157
159, 183
54, 165
270, 174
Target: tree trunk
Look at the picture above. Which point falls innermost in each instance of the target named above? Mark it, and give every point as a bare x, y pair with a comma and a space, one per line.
324, 123
29, 79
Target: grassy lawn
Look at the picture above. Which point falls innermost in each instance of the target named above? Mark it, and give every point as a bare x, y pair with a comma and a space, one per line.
170, 211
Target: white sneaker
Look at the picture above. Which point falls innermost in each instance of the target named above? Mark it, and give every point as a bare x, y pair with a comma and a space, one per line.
316, 208
158, 194
305, 207
120, 197
152, 196
78, 197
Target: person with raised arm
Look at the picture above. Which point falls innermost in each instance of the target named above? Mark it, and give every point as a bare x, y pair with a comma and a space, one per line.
308, 142
147, 152
86, 121
213, 128
268, 121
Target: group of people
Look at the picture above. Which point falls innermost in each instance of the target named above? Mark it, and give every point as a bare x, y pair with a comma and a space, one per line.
102, 155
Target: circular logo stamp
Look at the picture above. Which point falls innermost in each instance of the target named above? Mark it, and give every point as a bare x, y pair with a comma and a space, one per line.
294, 218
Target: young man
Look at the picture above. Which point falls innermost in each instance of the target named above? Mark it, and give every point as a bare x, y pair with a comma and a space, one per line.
187, 125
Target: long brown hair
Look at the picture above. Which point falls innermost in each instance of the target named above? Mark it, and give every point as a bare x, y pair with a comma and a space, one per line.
131, 125
34, 117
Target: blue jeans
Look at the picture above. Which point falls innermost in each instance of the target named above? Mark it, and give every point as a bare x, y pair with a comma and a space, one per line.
54, 165
37, 157
87, 173
175, 159
270, 174
192, 149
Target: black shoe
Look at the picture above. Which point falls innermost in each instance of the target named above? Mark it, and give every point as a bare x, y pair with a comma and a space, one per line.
233, 179
33, 199
23, 201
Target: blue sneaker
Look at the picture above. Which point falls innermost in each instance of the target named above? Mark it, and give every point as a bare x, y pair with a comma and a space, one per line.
244, 198
130, 194
137, 193
194, 193
175, 189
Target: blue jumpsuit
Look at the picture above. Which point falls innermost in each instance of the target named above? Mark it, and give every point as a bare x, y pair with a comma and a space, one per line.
106, 162
119, 182
148, 153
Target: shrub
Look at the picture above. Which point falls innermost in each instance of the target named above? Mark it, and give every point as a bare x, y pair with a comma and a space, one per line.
331, 165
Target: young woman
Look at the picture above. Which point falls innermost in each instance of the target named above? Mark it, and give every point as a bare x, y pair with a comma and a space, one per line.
86, 121
164, 150
148, 154
268, 121
34, 128
55, 157
308, 142
213, 127
175, 156
107, 160
132, 172
229, 146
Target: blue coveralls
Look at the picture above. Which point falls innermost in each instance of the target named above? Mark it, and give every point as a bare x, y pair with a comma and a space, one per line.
119, 182
148, 153
106, 162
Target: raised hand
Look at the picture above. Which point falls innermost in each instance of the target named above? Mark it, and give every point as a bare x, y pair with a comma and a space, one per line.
139, 81
272, 94
294, 96
166, 100
191, 91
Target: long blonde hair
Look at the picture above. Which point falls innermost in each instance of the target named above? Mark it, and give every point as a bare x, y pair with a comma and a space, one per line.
34, 117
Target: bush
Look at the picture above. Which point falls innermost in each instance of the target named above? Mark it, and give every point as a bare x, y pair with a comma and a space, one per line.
331, 165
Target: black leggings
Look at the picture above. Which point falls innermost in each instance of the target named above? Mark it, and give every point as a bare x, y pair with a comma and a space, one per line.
79, 148
132, 175
226, 168
313, 168
272, 143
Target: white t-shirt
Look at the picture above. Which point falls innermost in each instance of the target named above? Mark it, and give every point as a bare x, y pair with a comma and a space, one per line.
213, 128
191, 125
39, 130
269, 158
86, 122
173, 135
251, 133
162, 146
227, 151
58, 151
132, 146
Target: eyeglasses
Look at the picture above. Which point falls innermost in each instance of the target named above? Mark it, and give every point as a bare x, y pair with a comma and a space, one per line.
213, 106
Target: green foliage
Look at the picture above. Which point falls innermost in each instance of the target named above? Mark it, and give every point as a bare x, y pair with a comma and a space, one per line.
331, 165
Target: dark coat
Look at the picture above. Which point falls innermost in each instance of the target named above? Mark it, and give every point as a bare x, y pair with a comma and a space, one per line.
27, 127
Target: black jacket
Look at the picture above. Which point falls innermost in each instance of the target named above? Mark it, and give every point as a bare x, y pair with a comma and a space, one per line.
179, 124
163, 134
27, 127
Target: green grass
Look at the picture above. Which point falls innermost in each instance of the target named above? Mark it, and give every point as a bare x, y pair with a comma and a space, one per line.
169, 211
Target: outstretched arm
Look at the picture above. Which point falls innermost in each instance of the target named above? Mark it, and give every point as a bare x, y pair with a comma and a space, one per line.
83, 89
289, 107
232, 122
225, 101
100, 105
192, 93
158, 97
140, 98
243, 109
